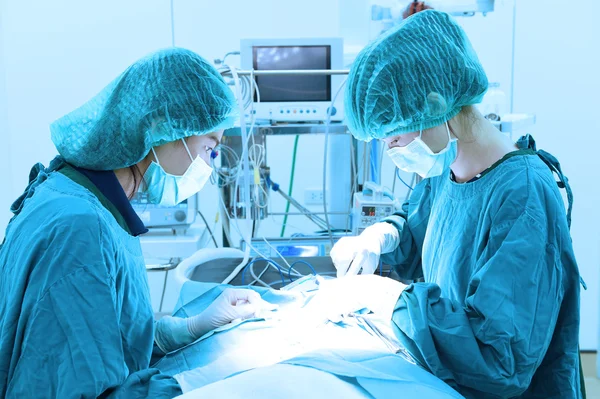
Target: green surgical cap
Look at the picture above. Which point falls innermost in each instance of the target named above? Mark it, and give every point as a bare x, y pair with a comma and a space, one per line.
416, 76
165, 96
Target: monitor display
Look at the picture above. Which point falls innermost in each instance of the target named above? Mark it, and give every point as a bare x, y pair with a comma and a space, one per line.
298, 250
369, 210
292, 88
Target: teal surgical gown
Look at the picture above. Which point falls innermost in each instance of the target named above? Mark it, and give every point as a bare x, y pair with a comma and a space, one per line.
497, 315
75, 313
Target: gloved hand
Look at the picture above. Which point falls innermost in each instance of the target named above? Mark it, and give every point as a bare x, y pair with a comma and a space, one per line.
173, 333
351, 254
231, 305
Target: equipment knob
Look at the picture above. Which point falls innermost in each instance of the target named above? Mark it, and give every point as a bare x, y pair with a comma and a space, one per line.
180, 216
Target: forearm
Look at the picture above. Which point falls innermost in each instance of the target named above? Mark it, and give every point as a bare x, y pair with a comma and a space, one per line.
465, 349
172, 333
405, 256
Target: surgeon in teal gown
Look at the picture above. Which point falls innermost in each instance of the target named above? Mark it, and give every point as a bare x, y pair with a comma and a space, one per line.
75, 314
494, 309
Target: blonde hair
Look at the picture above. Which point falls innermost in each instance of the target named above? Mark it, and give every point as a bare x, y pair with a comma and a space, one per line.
465, 125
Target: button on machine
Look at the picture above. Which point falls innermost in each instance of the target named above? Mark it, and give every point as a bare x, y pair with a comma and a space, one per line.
371, 205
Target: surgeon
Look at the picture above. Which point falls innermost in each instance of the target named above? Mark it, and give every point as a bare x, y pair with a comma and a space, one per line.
75, 312
486, 230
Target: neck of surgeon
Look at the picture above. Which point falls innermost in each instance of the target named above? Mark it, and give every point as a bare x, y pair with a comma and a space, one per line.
480, 144
131, 178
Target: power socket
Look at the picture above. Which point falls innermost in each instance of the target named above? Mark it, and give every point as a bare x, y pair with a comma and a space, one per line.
313, 196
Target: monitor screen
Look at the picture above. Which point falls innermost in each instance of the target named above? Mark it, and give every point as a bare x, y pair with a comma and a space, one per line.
368, 210
292, 88
298, 250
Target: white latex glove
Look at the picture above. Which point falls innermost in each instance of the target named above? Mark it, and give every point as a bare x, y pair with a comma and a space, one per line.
351, 254
173, 333
231, 305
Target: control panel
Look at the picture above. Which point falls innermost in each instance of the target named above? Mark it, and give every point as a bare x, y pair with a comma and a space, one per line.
297, 113
180, 215
368, 210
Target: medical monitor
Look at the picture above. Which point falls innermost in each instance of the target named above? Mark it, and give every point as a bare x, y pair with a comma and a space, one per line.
295, 98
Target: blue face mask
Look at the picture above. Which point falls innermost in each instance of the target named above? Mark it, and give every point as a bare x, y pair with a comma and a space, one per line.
418, 158
169, 190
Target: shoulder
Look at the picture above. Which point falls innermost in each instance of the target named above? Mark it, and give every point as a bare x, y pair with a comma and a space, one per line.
64, 234
66, 208
525, 186
530, 180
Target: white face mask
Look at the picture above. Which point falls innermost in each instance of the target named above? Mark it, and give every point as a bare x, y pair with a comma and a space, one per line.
169, 190
418, 158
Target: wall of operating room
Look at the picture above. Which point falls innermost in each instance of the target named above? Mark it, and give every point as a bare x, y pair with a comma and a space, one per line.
53, 60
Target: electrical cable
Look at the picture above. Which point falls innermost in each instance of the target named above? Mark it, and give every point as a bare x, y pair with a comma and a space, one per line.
394, 181
281, 256
246, 253
354, 176
162, 297
258, 223
304, 263
247, 95
231, 178
328, 123
209, 229
257, 279
312, 216
365, 162
260, 260
226, 177
261, 273
228, 231
246, 168
402, 180
245, 156
413, 182
257, 158
290, 188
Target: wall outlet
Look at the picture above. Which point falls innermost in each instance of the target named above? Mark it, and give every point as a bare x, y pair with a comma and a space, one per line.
313, 196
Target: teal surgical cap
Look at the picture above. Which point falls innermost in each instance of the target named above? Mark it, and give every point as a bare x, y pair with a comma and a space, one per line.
414, 77
165, 96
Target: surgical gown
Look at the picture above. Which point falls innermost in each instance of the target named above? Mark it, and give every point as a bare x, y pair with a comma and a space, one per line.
75, 313
497, 315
